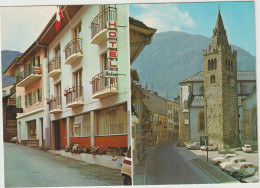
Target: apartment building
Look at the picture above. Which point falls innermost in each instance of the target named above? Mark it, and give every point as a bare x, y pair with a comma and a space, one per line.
73, 84
173, 119
88, 74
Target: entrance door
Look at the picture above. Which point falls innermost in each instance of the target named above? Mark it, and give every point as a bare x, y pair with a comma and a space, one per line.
57, 135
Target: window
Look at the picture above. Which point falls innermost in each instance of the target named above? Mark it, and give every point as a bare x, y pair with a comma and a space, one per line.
243, 89
33, 97
212, 64
18, 102
201, 89
112, 120
38, 63
231, 65
212, 79
81, 125
215, 63
57, 51
201, 121
58, 90
31, 129
208, 65
77, 30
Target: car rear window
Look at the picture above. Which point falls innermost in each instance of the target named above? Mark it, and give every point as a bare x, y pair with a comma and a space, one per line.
129, 152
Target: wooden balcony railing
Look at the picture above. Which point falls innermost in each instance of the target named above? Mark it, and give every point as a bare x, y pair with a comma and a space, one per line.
100, 82
55, 103
73, 47
27, 72
54, 64
99, 22
74, 95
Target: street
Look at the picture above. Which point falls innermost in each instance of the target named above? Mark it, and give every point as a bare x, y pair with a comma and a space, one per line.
167, 164
28, 167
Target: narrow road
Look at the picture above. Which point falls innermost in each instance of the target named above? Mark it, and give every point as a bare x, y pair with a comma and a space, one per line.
167, 164
28, 167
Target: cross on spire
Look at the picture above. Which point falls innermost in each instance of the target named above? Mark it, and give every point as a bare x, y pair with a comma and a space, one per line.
218, 6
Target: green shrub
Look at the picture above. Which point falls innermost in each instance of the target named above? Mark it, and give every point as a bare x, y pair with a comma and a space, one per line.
226, 152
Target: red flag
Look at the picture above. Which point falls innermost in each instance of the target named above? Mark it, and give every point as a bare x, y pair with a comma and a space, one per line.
59, 16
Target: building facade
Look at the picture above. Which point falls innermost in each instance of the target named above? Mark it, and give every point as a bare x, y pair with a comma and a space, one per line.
87, 106
73, 84
9, 112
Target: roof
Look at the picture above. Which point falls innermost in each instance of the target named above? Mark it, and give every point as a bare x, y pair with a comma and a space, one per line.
197, 101
241, 76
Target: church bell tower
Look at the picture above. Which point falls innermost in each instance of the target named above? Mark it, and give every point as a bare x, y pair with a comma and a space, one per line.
220, 89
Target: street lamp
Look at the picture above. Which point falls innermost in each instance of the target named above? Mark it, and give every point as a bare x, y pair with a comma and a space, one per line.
206, 127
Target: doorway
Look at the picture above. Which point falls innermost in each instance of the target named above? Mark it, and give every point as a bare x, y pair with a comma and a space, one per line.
57, 138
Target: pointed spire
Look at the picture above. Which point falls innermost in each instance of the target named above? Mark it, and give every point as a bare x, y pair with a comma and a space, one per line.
219, 38
219, 23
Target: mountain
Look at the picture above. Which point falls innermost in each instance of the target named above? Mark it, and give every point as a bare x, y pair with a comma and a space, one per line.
7, 58
174, 56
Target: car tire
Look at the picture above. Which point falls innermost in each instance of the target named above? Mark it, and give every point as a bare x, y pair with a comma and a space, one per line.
127, 180
217, 163
192, 148
234, 174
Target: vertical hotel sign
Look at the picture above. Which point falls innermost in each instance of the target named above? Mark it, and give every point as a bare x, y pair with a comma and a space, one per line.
112, 50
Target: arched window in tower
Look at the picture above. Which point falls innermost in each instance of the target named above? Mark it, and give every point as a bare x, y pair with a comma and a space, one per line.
201, 125
231, 65
212, 64
213, 78
226, 63
209, 65
215, 63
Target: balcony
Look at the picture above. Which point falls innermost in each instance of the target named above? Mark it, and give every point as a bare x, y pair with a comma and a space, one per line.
74, 97
28, 76
103, 87
99, 27
54, 67
55, 105
73, 51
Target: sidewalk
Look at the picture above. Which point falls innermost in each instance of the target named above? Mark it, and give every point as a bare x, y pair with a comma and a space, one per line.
214, 172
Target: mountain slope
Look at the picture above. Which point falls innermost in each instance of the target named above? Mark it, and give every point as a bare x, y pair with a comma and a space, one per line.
174, 56
7, 58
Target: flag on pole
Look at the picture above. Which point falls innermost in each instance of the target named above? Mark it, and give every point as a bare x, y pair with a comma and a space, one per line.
59, 16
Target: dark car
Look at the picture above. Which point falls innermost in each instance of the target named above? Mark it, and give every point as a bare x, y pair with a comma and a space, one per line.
246, 172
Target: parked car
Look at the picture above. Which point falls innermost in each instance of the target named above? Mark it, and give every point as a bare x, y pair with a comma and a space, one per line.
126, 169
233, 169
226, 157
252, 179
13, 139
246, 172
211, 147
231, 161
194, 145
247, 148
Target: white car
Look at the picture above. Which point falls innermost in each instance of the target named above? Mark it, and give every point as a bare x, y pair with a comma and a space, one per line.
126, 169
231, 162
252, 179
247, 148
226, 157
210, 147
234, 168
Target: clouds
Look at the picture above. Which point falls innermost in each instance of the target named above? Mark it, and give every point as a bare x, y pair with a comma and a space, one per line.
20, 26
164, 17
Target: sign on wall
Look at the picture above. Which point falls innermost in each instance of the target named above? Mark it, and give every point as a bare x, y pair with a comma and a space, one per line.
112, 50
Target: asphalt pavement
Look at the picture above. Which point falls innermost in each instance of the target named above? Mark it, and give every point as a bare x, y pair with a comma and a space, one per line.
28, 167
168, 164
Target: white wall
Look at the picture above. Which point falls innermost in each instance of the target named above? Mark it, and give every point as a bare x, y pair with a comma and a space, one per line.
90, 62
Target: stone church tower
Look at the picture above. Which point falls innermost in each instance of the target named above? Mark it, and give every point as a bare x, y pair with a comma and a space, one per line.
220, 89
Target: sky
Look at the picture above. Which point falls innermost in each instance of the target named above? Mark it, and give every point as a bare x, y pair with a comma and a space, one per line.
21, 26
200, 18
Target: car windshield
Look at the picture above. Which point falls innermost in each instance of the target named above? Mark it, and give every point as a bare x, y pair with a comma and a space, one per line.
248, 146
